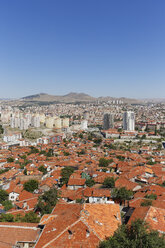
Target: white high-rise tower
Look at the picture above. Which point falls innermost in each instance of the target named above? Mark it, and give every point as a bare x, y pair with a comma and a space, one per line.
129, 121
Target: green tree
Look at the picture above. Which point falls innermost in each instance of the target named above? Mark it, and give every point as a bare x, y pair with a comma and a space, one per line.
6, 218
81, 136
66, 153
82, 152
18, 218
80, 200
85, 175
47, 201
122, 194
10, 160
31, 185
121, 158
25, 171
146, 203
1, 129
50, 153
51, 196
109, 182
42, 169
151, 196
7, 205
143, 136
3, 171
3, 195
31, 217
33, 150
66, 172
103, 162
137, 235
90, 182
97, 141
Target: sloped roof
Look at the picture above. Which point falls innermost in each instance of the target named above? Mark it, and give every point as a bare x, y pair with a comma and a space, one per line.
77, 225
10, 233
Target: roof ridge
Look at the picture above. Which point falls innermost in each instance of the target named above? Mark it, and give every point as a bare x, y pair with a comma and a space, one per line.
61, 233
89, 227
87, 224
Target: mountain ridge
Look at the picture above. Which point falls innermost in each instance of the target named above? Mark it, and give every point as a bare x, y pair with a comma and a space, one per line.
73, 97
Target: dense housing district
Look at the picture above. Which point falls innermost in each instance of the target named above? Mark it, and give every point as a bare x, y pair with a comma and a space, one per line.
74, 175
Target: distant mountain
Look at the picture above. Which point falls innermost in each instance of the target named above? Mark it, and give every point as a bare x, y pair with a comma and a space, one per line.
71, 97
154, 100
74, 97
34, 96
79, 96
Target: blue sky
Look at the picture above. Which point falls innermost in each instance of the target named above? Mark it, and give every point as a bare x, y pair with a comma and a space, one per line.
99, 47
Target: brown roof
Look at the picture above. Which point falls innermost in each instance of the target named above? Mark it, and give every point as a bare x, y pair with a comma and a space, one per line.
76, 181
152, 215
11, 233
76, 225
101, 193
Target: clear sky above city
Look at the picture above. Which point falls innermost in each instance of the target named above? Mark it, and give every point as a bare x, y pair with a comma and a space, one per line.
99, 47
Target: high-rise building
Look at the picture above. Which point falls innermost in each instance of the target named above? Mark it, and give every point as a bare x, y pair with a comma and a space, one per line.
84, 125
129, 121
108, 121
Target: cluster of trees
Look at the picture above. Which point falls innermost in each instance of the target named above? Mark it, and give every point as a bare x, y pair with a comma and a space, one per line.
4, 200
24, 163
29, 134
122, 194
66, 172
136, 235
111, 146
151, 196
103, 162
109, 182
3, 171
30, 217
47, 201
82, 152
43, 169
31, 185
97, 141
49, 153
146, 203
89, 182
33, 150
10, 160
121, 158
66, 153
1, 129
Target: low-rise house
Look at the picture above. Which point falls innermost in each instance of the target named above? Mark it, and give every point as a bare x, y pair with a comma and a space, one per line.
23, 235
76, 183
100, 196
152, 215
77, 225
123, 182
15, 192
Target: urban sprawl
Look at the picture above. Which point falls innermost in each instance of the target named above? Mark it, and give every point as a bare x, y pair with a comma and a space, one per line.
72, 173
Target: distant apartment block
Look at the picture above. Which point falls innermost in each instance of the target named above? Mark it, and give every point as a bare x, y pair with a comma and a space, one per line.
12, 137
129, 121
108, 121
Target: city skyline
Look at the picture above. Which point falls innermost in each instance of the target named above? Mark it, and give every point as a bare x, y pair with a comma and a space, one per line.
102, 48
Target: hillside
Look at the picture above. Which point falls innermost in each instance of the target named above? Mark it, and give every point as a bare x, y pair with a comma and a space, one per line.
71, 97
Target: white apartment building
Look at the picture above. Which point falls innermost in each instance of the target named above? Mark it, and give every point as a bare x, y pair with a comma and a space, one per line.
129, 121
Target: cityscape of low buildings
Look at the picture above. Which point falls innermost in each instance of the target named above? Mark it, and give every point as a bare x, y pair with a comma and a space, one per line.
104, 149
